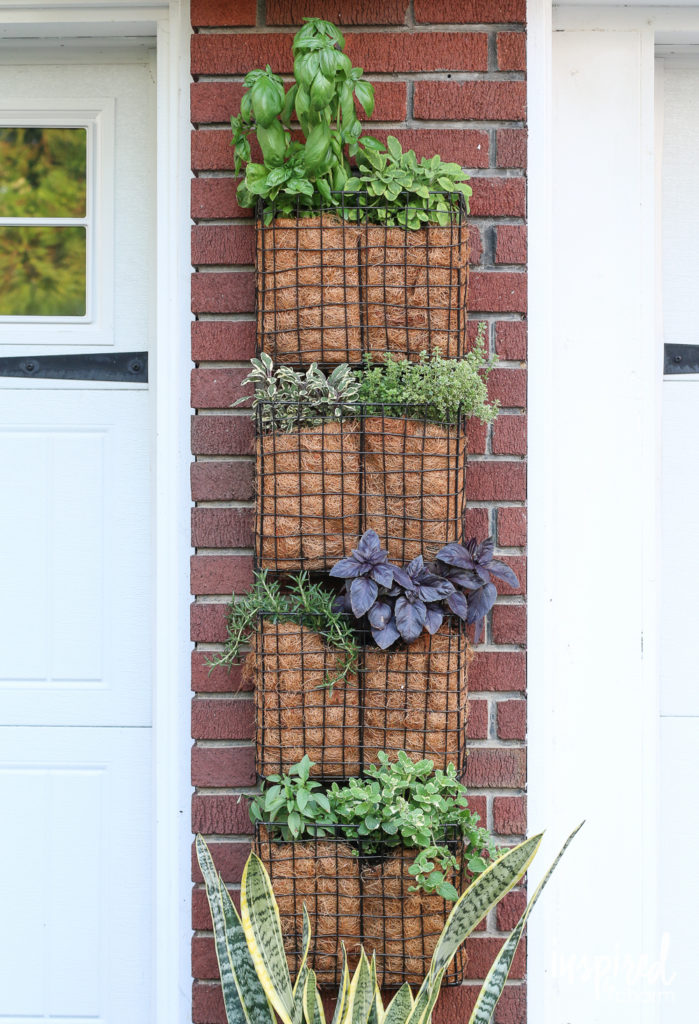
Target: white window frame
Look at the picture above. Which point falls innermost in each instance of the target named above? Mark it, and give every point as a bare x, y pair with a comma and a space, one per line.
168, 22
96, 327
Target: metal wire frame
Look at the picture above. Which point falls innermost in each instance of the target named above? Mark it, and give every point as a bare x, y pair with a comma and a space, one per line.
331, 288
384, 467
410, 697
357, 898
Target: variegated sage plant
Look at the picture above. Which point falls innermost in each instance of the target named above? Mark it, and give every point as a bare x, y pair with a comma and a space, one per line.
257, 987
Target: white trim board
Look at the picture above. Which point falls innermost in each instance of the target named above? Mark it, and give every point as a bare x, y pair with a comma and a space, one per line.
167, 22
595, 379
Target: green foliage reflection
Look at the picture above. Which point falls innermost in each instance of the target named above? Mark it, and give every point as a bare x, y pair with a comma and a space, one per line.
43, 172
42, 271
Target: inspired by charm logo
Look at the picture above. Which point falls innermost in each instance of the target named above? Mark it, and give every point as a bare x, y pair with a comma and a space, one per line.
619, 976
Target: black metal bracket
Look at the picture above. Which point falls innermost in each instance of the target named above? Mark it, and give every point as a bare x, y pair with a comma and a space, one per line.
113, 366
681, 359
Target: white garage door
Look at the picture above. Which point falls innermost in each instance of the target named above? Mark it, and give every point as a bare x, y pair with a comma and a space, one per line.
679, 684
77, 140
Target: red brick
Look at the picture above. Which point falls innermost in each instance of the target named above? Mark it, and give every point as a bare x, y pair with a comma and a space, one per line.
222, 13
482, 950
499, 671
348, 12
204, 964
220, 388
473, 12
222, 481
511, 244
509, 625
222, 527
217, 102
219, 718
374, 51
465, 147
455, 1005
497, 292
510, 435
223, 766
476, 433
217, 680
496, 481
229, 858
220, 574
220, 815
512, 527
510, 909
511, 339
212, 150
509, 387
223, 244
477, 725
476, 523
207, 1004
470, 101
512, 718
207, 623
498, 197
215, 199
511, 147
518, 564
496, 768
475, 245
510, 813
222, 341
222, 435
512, 51
224, 292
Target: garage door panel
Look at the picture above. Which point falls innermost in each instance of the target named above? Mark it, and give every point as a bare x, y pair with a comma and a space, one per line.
72, 890
75, 546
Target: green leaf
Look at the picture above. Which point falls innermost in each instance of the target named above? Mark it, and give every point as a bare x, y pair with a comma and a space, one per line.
266, 101
312, 1006
394, 147
294, 822
322, 91
289, 103
317, 145
400, 1006
272, 142
483, 894
492, 987
364, 92
263, 931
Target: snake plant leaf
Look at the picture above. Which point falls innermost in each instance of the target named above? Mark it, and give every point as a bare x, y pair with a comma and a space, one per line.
494, 983
313, 1012
376, 1011
235, 1013
361, 995
400, 1006
472, 906
424, 1004
263, 931
300, 983
343, 990
250, 992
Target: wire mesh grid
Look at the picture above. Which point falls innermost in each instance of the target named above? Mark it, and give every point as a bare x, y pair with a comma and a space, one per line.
336, 285
358, 898
380, 467
309, 700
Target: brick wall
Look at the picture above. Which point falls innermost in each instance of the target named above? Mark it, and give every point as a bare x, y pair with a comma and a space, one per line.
449, 78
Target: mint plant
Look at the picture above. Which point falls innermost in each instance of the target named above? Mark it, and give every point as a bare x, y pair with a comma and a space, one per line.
397, 190
308, 604
297, 178
293, 803
399, 804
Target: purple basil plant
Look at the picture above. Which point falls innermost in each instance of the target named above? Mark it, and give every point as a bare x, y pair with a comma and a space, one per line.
401, 603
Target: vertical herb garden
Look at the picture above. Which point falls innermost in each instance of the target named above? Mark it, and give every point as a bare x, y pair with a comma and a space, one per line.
355, 629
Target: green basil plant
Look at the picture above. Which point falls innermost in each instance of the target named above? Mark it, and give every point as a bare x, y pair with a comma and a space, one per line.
297, 178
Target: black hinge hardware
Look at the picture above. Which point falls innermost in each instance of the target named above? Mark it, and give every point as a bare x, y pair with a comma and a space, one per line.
113, 366
681, 359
